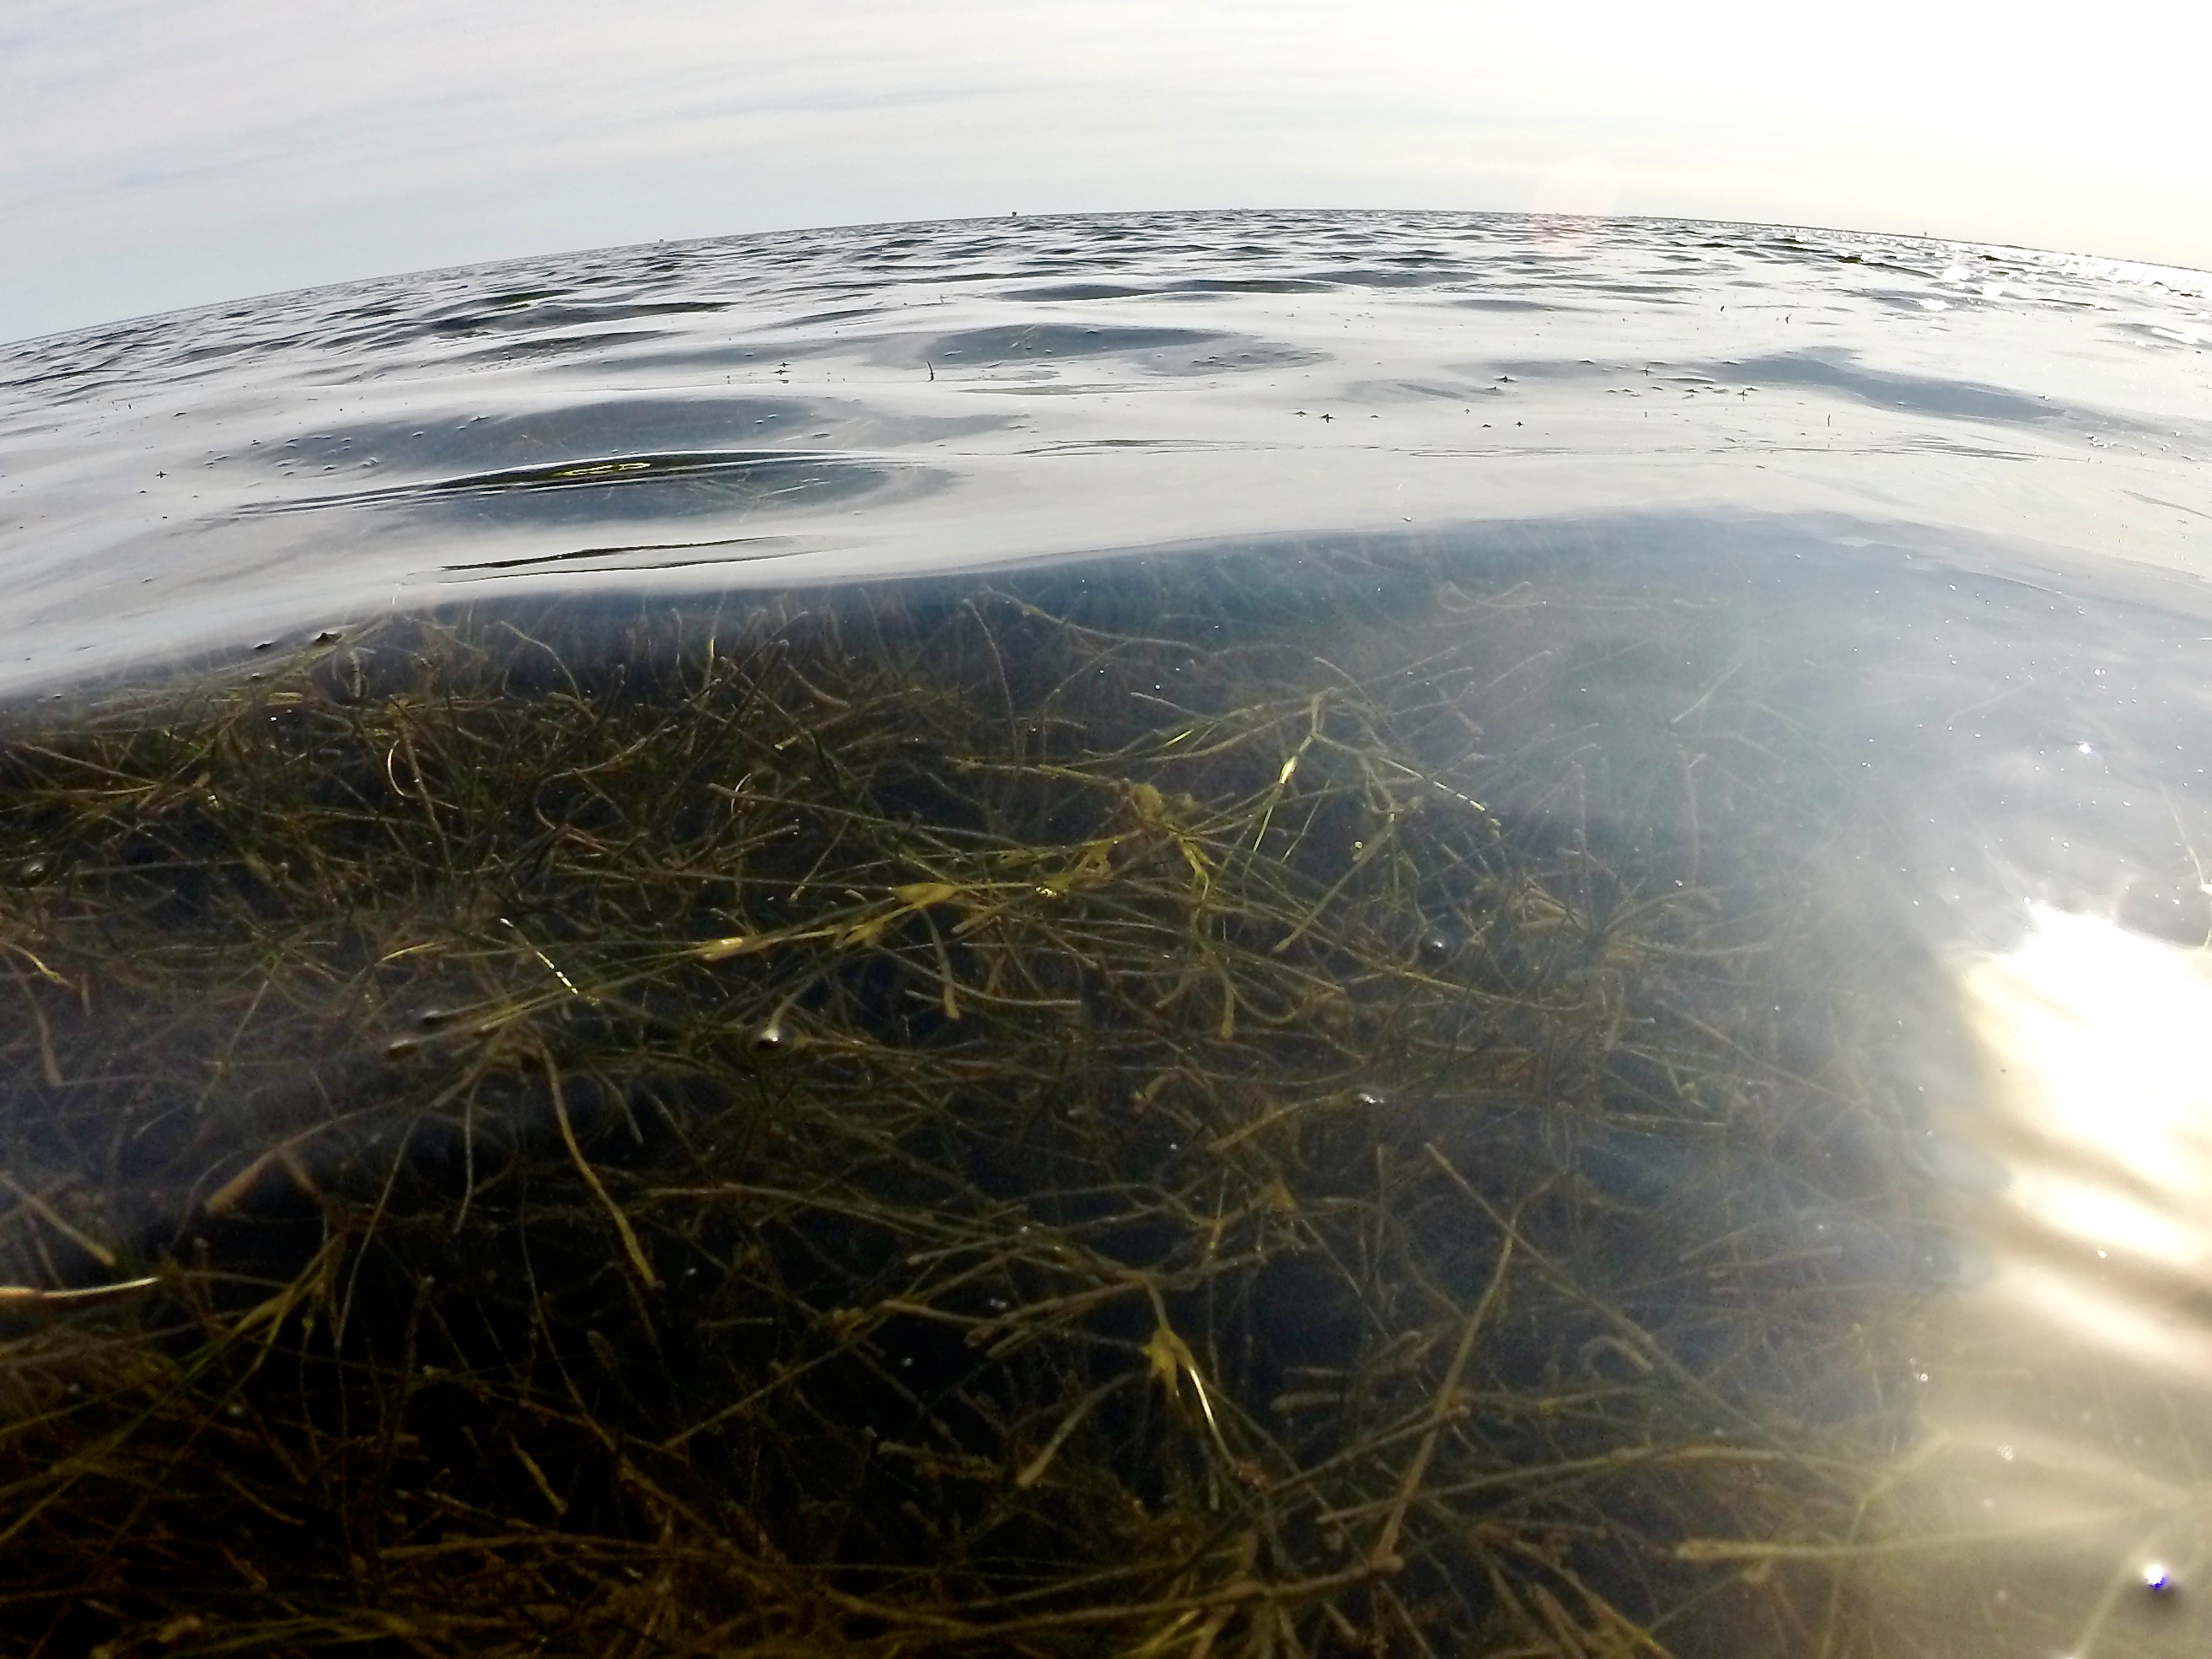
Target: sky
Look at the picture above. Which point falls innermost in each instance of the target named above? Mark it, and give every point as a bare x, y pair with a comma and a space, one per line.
159, 154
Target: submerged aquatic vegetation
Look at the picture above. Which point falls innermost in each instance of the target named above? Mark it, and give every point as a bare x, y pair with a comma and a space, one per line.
1196, 1114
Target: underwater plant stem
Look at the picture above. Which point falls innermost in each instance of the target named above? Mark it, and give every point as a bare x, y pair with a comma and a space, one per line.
631, 1248
1440, 1411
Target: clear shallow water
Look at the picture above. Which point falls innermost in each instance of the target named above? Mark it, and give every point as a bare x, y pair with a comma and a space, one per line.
1873, 564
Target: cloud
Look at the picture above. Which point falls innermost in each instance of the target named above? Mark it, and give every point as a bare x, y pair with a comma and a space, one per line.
155, 154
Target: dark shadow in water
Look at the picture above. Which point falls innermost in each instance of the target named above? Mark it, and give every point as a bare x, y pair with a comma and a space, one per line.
533, 310
583, 432
1160, 350
548, 347
1923, 394
762, 547
1063, 291
1942, 396
629, 486
1500, 302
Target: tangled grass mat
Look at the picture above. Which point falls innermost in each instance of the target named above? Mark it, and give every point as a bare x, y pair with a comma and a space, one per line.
1200, 1114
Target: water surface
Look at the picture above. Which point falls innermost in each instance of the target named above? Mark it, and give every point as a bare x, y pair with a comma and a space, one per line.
1702, 727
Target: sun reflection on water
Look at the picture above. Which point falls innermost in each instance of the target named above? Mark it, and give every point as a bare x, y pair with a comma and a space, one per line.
2068, 1423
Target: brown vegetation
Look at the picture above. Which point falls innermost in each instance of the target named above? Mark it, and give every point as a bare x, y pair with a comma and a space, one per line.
1006, 1118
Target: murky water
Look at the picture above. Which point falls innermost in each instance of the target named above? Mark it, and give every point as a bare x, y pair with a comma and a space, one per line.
1690, 738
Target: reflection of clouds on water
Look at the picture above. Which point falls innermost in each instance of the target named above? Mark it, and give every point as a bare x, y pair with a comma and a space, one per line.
2068, 1413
